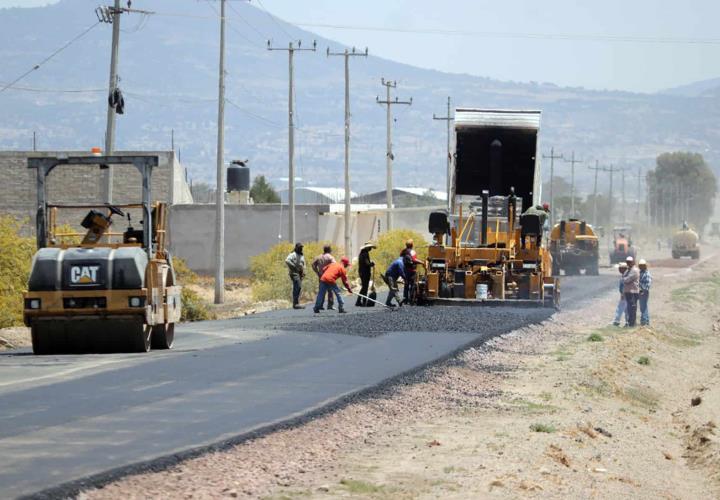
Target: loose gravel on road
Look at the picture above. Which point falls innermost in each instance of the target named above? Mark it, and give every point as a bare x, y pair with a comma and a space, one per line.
455, 319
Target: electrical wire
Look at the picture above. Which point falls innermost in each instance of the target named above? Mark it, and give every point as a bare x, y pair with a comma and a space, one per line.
263, 36
275, 20
53, 54
532, 36
54, 91
230, 24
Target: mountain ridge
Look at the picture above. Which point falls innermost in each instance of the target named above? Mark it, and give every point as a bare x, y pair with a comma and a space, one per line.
168, 70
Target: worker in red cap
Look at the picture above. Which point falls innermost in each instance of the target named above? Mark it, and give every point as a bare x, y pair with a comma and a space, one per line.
328, 282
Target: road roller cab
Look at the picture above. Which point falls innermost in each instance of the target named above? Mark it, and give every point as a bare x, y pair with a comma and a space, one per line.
101, 290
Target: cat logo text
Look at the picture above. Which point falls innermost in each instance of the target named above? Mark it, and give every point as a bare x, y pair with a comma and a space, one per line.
84, 275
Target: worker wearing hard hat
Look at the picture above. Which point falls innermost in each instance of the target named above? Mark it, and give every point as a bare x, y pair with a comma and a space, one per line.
645, 282
631, 289
621, 308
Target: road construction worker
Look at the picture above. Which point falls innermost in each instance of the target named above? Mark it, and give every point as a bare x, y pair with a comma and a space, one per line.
631, 289
410, 263
391, 277
365, 267
328, 282
645, 284
318, 265
295, 262
542, 213
621, 308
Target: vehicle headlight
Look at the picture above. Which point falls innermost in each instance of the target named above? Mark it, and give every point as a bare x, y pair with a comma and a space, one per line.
136, 301
32, 303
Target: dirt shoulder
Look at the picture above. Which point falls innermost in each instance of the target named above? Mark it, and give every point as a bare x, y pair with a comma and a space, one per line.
541, 412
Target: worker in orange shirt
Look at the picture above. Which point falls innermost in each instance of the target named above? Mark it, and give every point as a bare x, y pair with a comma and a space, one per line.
328, 282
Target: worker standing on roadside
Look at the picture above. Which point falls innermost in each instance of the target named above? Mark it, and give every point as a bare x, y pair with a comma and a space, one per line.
410, 263
328, 282
365, 266
319, 264
645, 284
391, 277
622, 303
631, 289
295, 262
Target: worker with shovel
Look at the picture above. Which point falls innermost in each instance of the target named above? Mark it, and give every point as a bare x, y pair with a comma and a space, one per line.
328, 282
365, 267
391, 277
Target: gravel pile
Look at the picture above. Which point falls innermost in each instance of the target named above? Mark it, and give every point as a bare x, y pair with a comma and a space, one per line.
456, 319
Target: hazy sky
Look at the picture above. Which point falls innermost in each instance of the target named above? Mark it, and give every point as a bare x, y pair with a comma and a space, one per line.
585, 58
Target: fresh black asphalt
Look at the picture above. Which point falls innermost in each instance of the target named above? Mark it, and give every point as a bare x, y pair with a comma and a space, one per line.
64, 418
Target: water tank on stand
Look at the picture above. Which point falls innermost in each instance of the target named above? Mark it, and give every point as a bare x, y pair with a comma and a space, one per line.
238, 183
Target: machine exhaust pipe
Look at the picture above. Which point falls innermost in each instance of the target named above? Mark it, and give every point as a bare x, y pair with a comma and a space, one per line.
484, 221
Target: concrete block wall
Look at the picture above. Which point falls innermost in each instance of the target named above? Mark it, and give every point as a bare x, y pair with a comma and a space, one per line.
249, 230
82, 184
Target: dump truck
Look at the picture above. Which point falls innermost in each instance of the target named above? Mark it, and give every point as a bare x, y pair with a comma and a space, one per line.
622, 245
485, 249
101, 290
574, 247
686, 243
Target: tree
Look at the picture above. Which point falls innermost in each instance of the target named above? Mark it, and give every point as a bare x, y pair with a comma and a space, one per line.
682, 187
262, 192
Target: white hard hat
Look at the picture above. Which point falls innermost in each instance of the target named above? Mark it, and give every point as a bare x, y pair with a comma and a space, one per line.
630, 259
642, 262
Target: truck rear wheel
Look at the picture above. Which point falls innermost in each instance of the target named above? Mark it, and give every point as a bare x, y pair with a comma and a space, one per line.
163, 336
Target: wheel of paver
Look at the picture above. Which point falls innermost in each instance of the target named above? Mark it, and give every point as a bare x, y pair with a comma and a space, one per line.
141, 338
163, 336
675, 255
696, 255
593, 270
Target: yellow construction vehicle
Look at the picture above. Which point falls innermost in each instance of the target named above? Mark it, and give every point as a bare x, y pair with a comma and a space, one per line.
109, 291
574, 246
487, 250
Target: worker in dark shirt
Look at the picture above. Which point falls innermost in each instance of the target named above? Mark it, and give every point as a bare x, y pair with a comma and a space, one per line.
365, 266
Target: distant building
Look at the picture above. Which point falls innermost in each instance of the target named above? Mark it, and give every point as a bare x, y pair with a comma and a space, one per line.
405, 197
316, 195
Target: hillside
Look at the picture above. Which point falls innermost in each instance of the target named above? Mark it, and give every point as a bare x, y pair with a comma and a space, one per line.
168, 68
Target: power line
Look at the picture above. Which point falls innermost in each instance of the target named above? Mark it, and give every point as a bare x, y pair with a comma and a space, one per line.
263, 36
51, 90
53, 54
275, 20
532, 36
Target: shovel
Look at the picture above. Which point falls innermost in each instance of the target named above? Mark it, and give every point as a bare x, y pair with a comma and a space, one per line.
373, 300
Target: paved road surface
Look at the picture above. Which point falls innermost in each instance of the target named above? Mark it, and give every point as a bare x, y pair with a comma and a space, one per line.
63, 418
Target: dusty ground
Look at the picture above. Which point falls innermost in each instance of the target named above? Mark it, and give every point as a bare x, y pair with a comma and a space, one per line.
569, 408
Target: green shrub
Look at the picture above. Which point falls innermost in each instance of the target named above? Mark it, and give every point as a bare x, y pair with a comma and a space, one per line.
194, 307
643, 360
183, 274
547, 428
270, 279
595, 337
16, 254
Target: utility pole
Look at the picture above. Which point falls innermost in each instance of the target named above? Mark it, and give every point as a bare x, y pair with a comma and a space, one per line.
447, 118
610, 196
389, 154
291, 49
552, 157
220, 184
347, 55
624, 214
596, 168
172, 139
111, 15
34, 141
572, 162
639, 194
